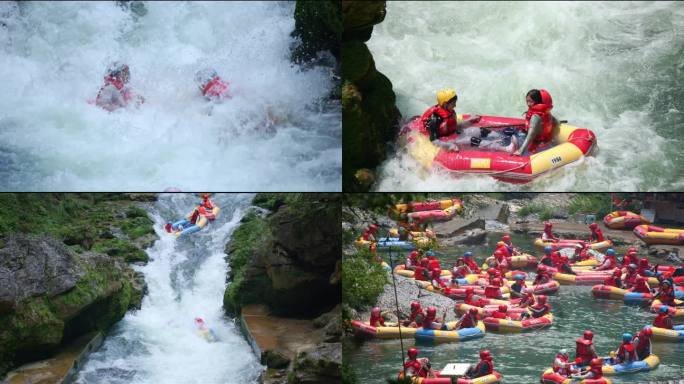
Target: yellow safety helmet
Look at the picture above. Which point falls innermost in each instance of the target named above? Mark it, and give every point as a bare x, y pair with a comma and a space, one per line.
445, 95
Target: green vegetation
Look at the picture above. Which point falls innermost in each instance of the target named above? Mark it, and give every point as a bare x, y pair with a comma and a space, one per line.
544, 212
84, 221
598, 204
363, 279
348, 374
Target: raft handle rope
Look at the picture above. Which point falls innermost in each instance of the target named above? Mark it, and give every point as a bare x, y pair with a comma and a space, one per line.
396, 302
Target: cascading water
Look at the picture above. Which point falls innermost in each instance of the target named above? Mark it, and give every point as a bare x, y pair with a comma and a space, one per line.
616, 68
54, 55
186, 279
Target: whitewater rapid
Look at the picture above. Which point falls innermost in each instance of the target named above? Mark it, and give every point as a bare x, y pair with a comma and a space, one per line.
616, 68
52, 61
186, 279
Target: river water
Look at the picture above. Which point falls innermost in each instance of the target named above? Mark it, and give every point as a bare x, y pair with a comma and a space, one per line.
53, 56
522, 358
616, 68
186, 279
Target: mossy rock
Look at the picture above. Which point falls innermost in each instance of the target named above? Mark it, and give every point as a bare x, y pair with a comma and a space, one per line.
319, 26
123, 249
137, 227
361, 15
357, 62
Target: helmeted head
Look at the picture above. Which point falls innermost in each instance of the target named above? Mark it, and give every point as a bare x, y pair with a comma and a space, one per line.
485, 355
429, 253
617, 272
626, 337
424, 262
204, 76
518, 277
643, 262
596, 363
468, 254
548, 225
375, 311
491, 271
412, 353
199, 321
563, 352
593, 226
373, 227
469, 290
667, 282
498, 254
541, 268
648, 332
503, 308
631, 250
496, 282
632, 267
547, 250
119, 70
664, 309
445, 96
472, 311
500, 244
610, 252
436, 272
506, 238
432, 311
541, 299
415, 306
588, 335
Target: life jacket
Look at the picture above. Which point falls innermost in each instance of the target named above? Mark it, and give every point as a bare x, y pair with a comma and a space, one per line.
643, 344
547, 231
505, 250
376, 321
630, 279
460, 271
215, 88
597, 235
613, 281
194, 216
434, 263
663, 320
546, 260
667, 296
492, 292
427, 322
542, 278
419, 273
485, 366
583, 349
414, 368
540, 310
627, 350
641, 287
467, 321
543, 110
597, 372
119, 85
608, 263
472, 265
499, 315
448, 124
555, 258
417, 316
559, 365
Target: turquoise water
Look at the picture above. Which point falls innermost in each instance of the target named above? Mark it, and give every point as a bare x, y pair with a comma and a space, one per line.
616, 68
521, 358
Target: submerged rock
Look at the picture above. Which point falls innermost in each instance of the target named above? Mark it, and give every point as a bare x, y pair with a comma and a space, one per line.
318, 365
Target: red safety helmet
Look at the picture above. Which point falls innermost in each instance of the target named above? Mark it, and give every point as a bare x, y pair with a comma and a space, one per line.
496, 281
424, 262
432, 311
506, 238
473, 311
491, 271
412, 353
631, 250
498, 252
595, 363
593, 225
503, 308
588, 334
643, 262
485, 355
541, 299
617, 272
376, 311
199, 321
469, 290
437, 272
541, 268
648, 332
548, 225
415, 306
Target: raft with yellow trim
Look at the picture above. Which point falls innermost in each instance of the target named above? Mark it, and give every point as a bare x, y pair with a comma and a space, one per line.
624, 220
650, 234
551, 377
524, 260
433, 216
514, 326
391, 331
569, 144
647, 364
674, 311
494, 377
429, 205
572, 243
674, 335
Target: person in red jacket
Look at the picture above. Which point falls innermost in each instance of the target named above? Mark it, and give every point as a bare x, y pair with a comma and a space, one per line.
596, 235
609, 262
435, 279
416, 317
547, 257
376, 319
212, 87
483, 368
595, 370
460, 270
470, 262
629, 258
503, 249
585, 350
615, 279
440, 120
630, 276
539, 122
501, 313
509, 244
413, 260
626, 353
561, 363
471, 298
115, 93
664, 318
542, 277
641, 286
369, 232
468, 320
415, 367
429, 322
642, 343
527, 300
564, 266
548, 235
422, 271
539, 309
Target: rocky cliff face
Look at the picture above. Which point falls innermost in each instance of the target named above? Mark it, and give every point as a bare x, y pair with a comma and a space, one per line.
63, 269
288, 258
369, 114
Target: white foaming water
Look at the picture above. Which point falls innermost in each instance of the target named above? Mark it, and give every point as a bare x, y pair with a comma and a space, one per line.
616, 68
53, 59
186, 279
